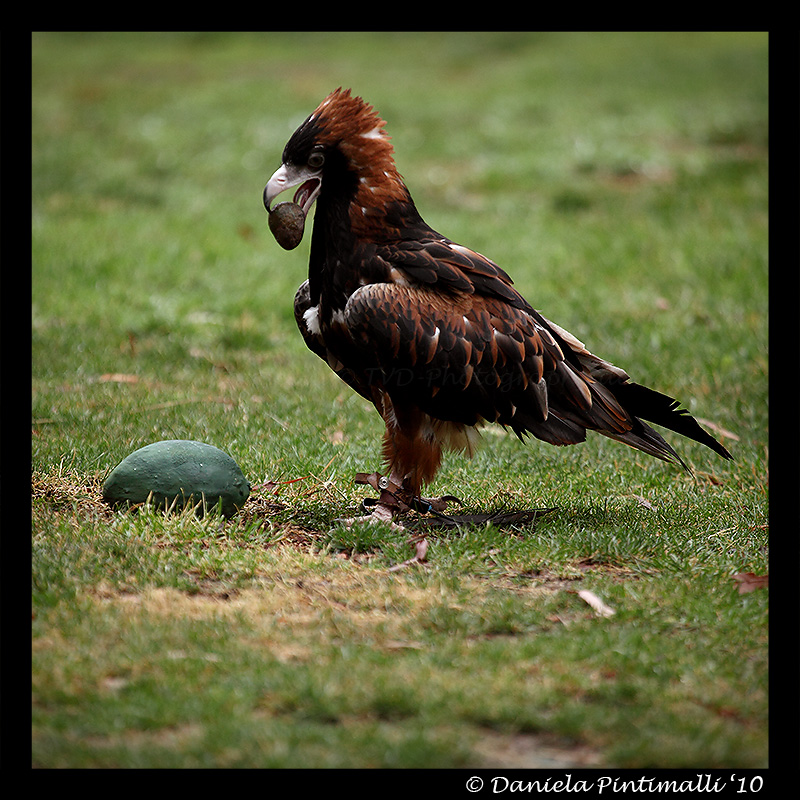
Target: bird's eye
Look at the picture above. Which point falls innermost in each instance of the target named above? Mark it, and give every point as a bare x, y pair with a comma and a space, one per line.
316, 160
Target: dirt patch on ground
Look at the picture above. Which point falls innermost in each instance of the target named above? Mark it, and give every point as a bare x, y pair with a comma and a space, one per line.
531, 751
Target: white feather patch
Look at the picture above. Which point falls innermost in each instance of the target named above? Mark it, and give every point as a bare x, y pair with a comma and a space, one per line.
375, 133
311, 317
454, 436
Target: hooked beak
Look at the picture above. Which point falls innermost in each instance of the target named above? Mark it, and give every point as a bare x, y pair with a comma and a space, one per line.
287, 176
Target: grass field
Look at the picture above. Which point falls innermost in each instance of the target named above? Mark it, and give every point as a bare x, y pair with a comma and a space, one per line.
621, 179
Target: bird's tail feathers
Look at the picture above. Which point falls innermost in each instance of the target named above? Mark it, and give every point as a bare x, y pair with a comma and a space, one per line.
639, 401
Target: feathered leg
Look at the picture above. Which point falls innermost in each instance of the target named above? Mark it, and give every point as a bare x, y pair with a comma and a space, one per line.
412, 449
412, 454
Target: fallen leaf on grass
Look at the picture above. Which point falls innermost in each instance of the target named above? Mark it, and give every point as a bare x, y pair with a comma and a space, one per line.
642, 502
118, 377
600, 608
718, 429
707, 476
420, 556
114, 683
749, 581
421, 551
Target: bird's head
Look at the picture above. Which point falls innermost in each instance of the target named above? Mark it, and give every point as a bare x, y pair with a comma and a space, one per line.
341, 149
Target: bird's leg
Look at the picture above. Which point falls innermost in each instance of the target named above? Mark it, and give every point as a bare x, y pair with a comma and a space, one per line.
388, 505
391, 501
398, 494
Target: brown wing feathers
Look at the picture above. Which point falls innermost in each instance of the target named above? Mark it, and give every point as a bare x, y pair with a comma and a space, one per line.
474, 358
451, 267
468, 359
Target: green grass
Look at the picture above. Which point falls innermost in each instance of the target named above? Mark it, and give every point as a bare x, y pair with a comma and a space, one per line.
622, 180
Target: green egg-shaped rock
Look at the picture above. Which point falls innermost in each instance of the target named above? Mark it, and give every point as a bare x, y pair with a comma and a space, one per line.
189, 472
